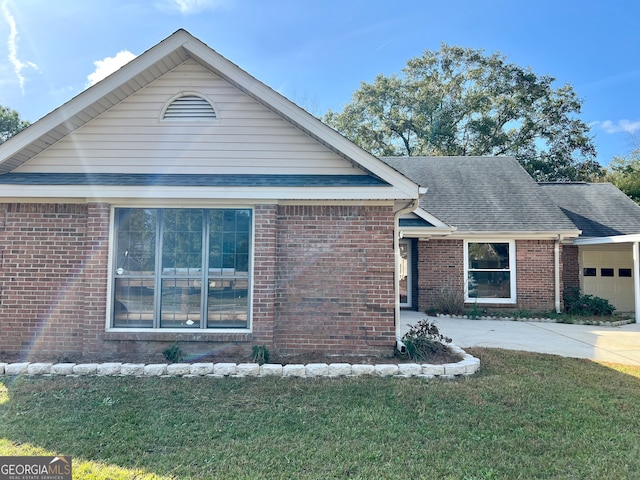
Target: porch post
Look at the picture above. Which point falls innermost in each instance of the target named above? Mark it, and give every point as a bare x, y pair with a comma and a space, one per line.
636, 279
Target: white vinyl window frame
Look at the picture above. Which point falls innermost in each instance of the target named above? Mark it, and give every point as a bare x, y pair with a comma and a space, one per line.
511, 270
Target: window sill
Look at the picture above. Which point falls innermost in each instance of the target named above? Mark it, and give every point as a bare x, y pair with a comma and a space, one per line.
122, 334
484, 301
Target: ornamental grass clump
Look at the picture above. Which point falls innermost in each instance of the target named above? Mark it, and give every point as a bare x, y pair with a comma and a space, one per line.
424, 341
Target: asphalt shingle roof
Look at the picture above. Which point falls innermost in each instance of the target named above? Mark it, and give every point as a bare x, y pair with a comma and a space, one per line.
598, 209
482, 194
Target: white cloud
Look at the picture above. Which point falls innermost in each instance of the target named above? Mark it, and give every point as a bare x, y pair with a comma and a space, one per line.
188, 7
107, 66
624, 125
12, 44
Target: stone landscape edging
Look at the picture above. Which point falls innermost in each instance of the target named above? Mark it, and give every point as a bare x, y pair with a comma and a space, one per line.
467, 366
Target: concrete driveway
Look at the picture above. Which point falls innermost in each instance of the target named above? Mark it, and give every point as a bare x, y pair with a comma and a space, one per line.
605, 344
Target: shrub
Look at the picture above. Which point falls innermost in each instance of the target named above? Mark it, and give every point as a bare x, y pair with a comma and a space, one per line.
449, 299
173, 354
576, 303
260, 354
424, 340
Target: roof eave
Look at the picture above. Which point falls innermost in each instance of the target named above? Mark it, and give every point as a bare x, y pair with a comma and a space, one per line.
608, 240
518, 234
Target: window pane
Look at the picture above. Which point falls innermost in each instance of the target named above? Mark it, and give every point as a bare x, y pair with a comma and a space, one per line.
133, 303
589, 272
489, 285
174, 292
182, 242
624, 272
494, 256
135, 241
228, 303
606, 272
180, 306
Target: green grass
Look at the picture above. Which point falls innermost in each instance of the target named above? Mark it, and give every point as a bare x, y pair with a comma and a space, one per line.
522, 416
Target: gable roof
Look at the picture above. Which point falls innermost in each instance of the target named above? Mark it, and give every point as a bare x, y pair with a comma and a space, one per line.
484, 195
598, 209
161, 59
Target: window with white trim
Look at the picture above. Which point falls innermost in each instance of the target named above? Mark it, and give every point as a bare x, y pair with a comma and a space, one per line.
181, 268
490, 271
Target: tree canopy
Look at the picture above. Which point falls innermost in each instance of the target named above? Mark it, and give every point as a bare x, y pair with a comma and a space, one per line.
624, 173
10, 123
461, 101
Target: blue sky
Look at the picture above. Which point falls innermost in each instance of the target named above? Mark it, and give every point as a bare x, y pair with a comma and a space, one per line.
316, 52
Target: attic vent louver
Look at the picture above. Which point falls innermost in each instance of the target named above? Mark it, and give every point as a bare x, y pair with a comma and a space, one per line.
190, 108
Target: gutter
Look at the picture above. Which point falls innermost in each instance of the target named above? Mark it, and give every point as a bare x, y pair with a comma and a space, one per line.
409, 207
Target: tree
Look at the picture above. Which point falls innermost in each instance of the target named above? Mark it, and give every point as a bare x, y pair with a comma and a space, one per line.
624, 173
10, 124
459, 101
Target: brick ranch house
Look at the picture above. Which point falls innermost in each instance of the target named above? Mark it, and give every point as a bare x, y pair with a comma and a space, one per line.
182, 200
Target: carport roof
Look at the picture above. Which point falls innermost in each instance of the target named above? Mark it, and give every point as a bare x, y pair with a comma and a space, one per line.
598, 209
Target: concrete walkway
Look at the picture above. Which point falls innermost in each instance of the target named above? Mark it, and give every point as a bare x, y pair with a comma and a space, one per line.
605, 344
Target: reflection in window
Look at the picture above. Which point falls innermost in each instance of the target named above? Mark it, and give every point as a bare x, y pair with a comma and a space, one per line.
490, 274
589, 272
181, 268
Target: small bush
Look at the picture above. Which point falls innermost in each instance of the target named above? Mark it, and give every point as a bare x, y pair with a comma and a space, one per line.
260, 354
424, 340
576, 303
173, 354
449, 299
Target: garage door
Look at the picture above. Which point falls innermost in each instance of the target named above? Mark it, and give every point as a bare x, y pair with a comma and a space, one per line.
608, 273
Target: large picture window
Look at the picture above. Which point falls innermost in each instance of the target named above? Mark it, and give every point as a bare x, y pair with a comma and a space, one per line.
181, 268
490, 272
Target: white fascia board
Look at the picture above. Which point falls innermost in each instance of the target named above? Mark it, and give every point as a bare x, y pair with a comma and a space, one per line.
436, 222
299, 117
248, 193
424, 232
514, 235
605, 240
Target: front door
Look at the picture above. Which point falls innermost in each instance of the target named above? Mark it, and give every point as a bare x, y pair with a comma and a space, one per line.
404, 268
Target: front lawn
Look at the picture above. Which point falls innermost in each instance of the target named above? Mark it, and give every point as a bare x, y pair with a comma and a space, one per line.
522, 416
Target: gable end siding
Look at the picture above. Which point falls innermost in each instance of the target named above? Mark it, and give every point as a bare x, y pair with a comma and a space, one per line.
246, 138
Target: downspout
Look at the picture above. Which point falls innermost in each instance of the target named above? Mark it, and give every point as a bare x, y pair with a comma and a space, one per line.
409, 207
556, 260
636, 279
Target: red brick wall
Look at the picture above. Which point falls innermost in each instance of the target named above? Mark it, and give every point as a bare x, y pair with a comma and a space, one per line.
42, 290
264, 274
335, 280
440, 266
571, 271
535, 274
329, 289
441, 262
